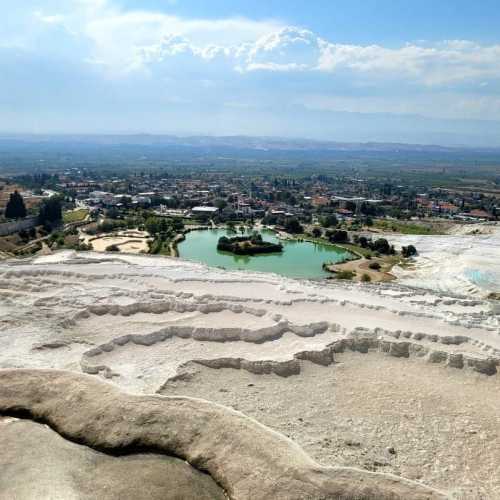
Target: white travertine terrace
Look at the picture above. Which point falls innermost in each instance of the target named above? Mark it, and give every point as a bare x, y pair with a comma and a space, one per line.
466, 261
141, 320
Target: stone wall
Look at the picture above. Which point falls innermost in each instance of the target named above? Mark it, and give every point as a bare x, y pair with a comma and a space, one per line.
18, 225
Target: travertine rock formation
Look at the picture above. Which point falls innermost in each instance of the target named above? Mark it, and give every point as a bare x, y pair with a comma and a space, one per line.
245, 458
37, 463
139, 321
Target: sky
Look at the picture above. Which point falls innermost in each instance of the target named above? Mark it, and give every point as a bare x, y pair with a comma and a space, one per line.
340, 70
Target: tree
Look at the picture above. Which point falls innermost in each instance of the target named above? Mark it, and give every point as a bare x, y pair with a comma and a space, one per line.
15, 208
363, 241
152, 225
316, 232
382, 246
339, 236
220, 204
293, 226
50, 211
329, 221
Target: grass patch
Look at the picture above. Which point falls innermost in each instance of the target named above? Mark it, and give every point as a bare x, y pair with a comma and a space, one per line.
75, 216
355, 249
406, 227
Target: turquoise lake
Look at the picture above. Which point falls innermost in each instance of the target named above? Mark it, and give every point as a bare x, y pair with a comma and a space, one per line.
299, 259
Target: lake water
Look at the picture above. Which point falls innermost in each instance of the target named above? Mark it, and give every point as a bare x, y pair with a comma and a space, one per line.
298, 259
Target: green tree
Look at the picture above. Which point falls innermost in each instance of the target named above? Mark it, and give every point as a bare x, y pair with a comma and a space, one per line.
329, 221
15, 208
316, 232
50, 211
339, 236
152, 225
381, 245
293, 226
220, 203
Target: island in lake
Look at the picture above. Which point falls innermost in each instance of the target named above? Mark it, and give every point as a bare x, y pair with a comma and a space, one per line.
248, 245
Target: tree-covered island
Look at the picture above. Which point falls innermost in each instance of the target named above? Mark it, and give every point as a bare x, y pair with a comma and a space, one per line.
248, 245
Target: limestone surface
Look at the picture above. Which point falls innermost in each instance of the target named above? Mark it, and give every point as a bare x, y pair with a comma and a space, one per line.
37, 463
123, 327
247, 459
139, 320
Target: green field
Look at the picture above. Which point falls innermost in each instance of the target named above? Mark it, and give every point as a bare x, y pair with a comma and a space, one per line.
395, 226
75, 215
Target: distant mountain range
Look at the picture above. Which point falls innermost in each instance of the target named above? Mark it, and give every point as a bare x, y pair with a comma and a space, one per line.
226, 142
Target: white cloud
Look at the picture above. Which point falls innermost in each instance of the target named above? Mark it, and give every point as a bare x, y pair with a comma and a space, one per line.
204, 61
294, 49
133, 40
54, 19
445, 63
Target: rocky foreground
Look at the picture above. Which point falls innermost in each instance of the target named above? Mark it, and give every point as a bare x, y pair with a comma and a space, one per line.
245, 458
133, 324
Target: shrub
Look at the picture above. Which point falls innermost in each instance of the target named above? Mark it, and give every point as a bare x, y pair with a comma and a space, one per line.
375, 266
365, 278
381, 245
112, 248
345, 275
408, 251
84, 247
363, 242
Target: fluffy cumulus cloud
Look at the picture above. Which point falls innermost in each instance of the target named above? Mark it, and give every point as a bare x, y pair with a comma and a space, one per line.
441, 64
295, 49
99, 45
128, 40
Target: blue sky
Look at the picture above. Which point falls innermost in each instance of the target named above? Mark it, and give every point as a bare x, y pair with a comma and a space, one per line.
400, 70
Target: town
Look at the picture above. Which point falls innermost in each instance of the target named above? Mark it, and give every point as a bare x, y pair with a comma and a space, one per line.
150, 211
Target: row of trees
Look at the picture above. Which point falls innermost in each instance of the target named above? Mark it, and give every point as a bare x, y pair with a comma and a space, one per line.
380, 245
50, 211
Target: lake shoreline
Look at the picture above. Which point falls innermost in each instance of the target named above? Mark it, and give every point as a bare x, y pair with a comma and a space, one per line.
301, 258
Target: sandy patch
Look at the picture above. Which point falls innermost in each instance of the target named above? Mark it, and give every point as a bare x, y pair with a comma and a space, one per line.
126, 241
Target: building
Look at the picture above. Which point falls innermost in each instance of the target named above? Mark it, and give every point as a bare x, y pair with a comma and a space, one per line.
204, 211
